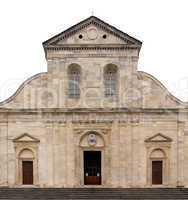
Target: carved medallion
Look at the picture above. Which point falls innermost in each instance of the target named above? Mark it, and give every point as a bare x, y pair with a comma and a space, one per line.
92, 33
92, 140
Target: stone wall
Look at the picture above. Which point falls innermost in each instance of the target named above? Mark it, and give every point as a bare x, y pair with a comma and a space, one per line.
125, 152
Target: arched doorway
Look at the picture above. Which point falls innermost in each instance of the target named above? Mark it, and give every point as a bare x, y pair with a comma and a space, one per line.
157, 158
92, 158
26, 151
26, 158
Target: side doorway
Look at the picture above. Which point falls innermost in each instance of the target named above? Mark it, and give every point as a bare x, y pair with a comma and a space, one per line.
27, 172
157, 172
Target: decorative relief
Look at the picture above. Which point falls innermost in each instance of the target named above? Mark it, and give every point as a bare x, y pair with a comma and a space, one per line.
92, 33
92, 140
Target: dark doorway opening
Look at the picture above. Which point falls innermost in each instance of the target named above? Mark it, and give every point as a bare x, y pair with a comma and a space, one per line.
92, 167
157, 172
27, 169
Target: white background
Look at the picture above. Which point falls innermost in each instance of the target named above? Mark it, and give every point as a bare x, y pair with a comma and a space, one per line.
162, 25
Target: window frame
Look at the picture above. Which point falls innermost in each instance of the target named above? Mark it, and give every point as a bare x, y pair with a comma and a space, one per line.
110, 81
74, 79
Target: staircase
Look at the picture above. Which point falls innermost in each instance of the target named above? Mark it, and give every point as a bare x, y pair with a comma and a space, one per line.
93, 193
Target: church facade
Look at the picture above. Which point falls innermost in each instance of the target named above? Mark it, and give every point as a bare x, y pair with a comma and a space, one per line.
93, 119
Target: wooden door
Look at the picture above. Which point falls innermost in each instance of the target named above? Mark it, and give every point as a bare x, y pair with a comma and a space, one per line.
157, 172
27, 168
92, 167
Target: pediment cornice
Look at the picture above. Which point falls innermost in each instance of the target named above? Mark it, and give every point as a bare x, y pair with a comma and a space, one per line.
53, 42
91, 47
158, 138
26, 138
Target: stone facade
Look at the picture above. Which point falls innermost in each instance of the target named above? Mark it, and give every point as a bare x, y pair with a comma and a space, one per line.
139, 124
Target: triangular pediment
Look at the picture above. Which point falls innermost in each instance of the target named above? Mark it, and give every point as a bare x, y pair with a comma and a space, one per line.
158, 138
92, 31
26, 138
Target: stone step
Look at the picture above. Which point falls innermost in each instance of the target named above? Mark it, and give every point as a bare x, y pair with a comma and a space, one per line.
93, 193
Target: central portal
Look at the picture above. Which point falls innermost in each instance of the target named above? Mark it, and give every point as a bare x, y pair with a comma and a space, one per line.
92, 167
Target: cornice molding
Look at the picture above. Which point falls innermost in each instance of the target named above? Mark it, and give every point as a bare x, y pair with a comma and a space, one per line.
91, 47
95, 110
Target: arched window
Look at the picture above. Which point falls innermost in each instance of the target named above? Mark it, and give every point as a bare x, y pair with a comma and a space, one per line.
74, 74
110, 80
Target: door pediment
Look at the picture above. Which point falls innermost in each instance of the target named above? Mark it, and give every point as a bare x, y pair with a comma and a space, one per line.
25, 138
158, 138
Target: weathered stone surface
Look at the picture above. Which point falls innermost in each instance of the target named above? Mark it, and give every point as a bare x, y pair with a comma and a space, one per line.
141, 121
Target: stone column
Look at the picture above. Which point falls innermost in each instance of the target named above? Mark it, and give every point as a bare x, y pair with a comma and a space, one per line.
70, 156
136, 151
180, 154
124, 155
4, 154
115, 173
50, 154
